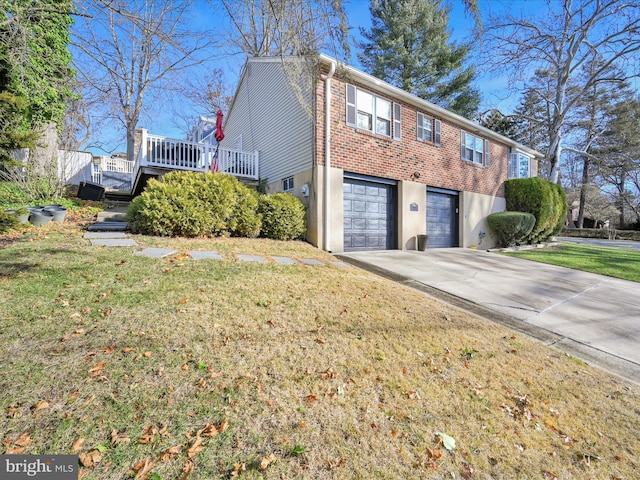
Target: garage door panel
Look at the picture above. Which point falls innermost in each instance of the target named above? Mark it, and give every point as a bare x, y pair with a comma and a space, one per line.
368, 217
442, 219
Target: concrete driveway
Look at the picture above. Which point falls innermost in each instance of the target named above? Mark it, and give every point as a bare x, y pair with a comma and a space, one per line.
589, 316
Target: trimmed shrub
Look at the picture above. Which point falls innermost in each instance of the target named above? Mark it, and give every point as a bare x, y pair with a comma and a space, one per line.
545, 200
191, 204
8, 221
283, 216
511, 228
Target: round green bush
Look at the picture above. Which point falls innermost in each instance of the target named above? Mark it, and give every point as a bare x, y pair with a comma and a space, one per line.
283, 216
191, 204
511, 228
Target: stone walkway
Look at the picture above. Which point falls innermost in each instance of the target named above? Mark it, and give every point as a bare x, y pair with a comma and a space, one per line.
120, 239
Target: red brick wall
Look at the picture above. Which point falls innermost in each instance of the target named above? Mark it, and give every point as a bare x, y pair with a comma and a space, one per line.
363, 152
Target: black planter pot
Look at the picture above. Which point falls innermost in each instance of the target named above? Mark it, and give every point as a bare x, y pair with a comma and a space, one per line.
40, 218
58, 212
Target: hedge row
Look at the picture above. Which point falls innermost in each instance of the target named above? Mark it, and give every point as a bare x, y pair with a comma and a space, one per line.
191, 204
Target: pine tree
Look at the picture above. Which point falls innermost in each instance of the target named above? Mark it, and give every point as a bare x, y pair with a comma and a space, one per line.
408, 46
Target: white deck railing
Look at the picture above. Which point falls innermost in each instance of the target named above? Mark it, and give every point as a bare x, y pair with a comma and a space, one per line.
113, 173
166, 152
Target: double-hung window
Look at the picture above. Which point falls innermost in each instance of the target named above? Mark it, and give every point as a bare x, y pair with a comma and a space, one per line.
374, 114
519, 165
474, 149
428, 129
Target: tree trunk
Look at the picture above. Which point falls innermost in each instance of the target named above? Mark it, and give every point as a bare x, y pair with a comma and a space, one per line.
583, 191
621, 198
131, 141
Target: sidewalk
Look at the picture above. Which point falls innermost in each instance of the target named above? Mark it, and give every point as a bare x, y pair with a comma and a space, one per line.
589, 316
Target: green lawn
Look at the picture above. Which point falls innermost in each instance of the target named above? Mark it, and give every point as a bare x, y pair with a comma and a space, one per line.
177, 368
614, 262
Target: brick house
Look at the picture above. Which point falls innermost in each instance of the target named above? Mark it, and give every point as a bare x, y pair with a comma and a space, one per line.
375, 166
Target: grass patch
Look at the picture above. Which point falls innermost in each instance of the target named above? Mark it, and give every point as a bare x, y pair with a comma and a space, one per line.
151, 368
621, 263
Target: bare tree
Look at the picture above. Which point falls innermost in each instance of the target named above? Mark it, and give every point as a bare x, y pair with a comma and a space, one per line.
562, 42
129, 49
207, 94
265, 28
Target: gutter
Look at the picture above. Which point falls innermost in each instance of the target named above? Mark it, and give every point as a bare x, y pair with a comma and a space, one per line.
327, 156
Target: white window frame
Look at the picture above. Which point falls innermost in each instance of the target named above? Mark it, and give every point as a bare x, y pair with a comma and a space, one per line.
479, 152
369, 112
516, 160
287, 184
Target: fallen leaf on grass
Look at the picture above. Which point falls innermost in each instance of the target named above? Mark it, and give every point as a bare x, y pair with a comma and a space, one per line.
117, 438
77, 445
41, 405
97, 370
238, 468
12, 411
195, 448
436, 453
447, 442
15, 451
211, 430
170, 452
187, 468
23, 440
266, 461
91, 458
142, 469
310, 399
412, 395
148, 435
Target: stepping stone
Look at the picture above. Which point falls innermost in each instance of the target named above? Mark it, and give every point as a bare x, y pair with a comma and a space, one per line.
250, 258
341, 264
113, 242
108, 227
285, 260
205, 255
105, 235
311, 261
155, 252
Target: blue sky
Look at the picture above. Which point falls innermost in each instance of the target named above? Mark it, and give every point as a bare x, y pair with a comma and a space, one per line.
461, 25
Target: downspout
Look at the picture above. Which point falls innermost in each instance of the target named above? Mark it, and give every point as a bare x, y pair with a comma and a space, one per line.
327, 157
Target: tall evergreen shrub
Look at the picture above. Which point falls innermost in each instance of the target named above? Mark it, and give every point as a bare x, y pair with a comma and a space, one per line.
545, 200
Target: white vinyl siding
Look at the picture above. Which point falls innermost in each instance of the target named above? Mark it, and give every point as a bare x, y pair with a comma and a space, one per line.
284, 139
474, 149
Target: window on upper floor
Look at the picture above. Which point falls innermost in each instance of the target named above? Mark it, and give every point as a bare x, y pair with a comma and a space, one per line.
287, 184
428, 129
372, 113
519, 165
474, 149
